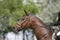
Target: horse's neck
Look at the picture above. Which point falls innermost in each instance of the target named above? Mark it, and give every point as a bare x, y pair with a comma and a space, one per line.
39, 29
38, 23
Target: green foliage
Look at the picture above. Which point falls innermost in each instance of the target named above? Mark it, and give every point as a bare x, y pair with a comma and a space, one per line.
12, 10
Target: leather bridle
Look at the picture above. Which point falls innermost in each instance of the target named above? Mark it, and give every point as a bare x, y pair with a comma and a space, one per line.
27, 19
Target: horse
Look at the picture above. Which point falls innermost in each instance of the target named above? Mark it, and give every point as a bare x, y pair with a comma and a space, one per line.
41, 31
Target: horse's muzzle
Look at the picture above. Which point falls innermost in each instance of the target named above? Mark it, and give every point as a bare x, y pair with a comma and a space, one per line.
16, 29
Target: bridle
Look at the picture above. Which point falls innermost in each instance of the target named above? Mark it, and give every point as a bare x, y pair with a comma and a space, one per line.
27, 19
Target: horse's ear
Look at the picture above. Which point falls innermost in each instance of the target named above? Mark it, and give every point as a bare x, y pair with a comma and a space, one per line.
26, 13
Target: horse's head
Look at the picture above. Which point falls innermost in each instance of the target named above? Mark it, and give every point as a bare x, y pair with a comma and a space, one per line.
24, 22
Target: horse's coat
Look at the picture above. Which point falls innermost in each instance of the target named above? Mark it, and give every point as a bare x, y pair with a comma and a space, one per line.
41, 31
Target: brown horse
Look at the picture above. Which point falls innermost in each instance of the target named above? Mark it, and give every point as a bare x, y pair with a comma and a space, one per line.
41, 31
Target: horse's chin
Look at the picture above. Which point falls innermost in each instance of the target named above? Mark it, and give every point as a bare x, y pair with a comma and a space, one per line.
16, 31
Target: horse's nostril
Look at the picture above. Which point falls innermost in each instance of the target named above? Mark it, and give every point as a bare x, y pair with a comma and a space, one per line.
13, 27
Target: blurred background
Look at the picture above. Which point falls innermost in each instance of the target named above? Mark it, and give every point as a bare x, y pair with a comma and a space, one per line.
12, 10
